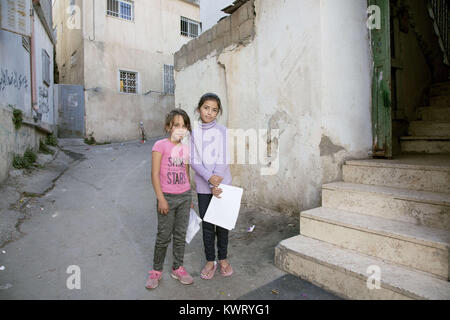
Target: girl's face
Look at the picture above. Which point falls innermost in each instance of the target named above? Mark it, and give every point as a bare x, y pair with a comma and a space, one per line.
178, 130
209, 111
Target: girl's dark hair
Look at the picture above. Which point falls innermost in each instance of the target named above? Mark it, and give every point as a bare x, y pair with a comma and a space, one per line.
210, 96
178, 112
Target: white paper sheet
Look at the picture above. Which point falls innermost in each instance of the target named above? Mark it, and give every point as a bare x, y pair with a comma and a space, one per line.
193, 226
224, 212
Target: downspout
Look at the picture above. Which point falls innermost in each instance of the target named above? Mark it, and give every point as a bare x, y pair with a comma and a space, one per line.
34, 100
93, 20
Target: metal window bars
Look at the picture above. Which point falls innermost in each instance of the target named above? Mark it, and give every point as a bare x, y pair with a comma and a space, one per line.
190, 28
128, 82
169, 82
120, 9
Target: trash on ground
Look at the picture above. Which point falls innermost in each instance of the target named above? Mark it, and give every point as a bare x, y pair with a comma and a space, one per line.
6, 286
2, 268
3, 251
55, 215
250, 229
291, 225
275, 292
42, 209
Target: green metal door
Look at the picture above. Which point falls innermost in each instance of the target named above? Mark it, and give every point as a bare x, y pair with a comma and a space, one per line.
381, 81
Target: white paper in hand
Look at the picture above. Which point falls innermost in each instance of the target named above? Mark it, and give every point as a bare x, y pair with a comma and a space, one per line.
224, 212
193, 226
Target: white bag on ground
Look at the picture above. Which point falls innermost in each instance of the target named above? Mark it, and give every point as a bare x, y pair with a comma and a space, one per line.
193, 226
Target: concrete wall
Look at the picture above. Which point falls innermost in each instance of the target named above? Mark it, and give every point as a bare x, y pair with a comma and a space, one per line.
15, 89
44, 91
306, 72
15, 73
70, 42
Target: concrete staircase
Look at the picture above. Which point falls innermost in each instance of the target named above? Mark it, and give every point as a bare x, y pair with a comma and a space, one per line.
391, 217
432, 133
387, 215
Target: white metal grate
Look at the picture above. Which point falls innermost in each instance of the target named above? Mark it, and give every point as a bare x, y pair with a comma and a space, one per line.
123, 9
190, 28
169, 82
128, 81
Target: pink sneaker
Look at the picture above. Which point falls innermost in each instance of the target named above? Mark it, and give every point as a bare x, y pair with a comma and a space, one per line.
182, 276
153, 279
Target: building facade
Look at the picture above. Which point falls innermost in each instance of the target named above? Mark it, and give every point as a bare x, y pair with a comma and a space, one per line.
121, 52
26, 78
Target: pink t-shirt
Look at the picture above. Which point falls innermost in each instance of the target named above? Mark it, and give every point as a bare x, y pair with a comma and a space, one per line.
173, 174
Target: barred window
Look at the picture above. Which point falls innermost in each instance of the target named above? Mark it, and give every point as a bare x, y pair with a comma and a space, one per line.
169, 82
45, 67
121, 9
190, 28
128, 81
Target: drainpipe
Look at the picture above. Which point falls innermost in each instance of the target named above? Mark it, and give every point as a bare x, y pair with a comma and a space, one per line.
34, 99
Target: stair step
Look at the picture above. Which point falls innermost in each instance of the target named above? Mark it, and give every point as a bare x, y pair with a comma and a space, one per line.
440, 101
346, 273
429, 209
440, 89
429, 128
434, 113
425, 144
418, 247
422, 173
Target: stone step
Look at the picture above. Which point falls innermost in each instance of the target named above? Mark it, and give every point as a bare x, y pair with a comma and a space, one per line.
434, 113
353, 275
422, 173
429, 209
440, 89
425, 144
422, 248
429, 128
440, 101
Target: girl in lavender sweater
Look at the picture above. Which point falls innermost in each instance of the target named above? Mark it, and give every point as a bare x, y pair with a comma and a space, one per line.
209, 159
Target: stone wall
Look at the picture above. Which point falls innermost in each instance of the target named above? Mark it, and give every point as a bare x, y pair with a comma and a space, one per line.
236, 29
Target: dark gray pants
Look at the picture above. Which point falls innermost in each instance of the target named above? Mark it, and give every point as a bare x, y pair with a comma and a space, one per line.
174, 224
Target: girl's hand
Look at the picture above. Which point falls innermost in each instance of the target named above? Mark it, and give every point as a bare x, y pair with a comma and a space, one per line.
215, 180
192, 205
216, 192
163, 206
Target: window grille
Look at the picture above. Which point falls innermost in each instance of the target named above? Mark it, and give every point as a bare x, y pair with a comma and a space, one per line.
45, 67
128, 82
190, 28
121, 9
169, 82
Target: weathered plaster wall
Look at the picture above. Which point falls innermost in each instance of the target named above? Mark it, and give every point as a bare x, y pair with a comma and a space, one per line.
14, 141
306, 73
15, 75
44, 91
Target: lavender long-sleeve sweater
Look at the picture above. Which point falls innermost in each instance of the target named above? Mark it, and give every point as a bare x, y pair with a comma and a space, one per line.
209, 155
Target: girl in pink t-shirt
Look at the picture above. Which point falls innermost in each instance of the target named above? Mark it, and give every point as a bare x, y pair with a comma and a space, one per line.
170, 178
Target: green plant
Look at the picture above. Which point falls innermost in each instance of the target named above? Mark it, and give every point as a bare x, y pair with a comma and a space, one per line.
17, 117
51, 140
90, 140
26, 161
43, 148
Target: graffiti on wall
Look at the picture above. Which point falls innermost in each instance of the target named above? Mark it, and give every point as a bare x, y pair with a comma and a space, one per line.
12, 79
